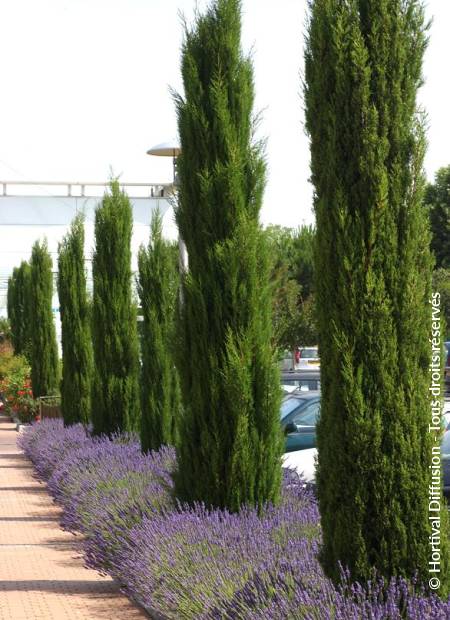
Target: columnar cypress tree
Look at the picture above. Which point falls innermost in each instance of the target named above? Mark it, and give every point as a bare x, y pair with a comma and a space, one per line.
18, 308
363, 69
231, 444
26, 307
11, 307
115, 405
158, 286
75, 328
44, 349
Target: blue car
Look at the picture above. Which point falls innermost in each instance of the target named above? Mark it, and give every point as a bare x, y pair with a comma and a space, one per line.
299, 414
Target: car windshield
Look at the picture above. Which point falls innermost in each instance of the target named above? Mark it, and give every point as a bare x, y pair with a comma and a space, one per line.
308, 417
289, 405
445, 446
309, 353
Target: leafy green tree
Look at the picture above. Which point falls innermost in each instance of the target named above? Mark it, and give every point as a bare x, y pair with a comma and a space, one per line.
231, 439
437, 200
373, 282
441, 284
76, 383
44, 349
115, 395
292, 276
158, 288
302, 258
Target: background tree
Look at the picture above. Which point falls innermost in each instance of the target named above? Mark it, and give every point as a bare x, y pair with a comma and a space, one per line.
441, 283
76, 383
437, 200
158, 288
231, 440
44, 348
114, 332
363, 68
292, 276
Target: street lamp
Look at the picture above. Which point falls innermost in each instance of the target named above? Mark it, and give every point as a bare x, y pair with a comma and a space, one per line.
173, 149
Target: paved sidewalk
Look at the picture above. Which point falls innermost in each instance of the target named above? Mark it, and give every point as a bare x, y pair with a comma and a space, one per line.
42, 576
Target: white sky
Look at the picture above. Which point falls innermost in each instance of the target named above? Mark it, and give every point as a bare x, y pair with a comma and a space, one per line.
84, 88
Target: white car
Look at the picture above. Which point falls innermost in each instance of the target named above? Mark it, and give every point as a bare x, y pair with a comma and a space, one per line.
303, 462
309, 358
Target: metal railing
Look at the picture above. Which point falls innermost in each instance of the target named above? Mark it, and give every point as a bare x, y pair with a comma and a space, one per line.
78, 189
50, 407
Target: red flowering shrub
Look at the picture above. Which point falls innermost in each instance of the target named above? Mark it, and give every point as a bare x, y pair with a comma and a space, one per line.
15, 388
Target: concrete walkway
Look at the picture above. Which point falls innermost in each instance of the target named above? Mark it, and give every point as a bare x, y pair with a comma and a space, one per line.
41, 573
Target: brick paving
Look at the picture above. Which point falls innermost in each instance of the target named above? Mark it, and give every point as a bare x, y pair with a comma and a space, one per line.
42, 576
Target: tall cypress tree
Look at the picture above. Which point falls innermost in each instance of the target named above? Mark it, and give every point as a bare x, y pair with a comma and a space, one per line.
44, 348
231, 444
158, 287
115, 405
18, 308
75, 328
11, 308
363, 67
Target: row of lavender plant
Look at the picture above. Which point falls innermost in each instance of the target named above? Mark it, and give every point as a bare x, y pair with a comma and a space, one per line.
191, 563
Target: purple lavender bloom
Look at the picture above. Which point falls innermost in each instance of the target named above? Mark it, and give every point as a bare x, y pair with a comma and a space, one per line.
194, 563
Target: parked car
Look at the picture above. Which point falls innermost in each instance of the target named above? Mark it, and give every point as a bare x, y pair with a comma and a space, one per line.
445, 451
299, 413
308, 357
304, 380
303, 462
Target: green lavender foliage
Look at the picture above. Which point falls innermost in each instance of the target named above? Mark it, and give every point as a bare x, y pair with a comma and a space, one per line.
44, 349
373, 266
18, 308
115, 404
76, 382
230, 445
158, 288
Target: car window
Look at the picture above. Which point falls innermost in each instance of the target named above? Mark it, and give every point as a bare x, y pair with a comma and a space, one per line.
308, 416
289, 405
309, 353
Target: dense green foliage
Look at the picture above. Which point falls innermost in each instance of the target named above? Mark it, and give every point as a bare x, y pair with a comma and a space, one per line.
292, 276
437, 201
18, 308
158, 288
44, 348
363, 68
115, 395
76, 383
231, 442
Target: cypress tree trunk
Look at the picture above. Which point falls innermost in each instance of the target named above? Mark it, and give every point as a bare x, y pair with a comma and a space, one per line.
75, 329
115, 405
363, 69
44, 349
158, 287
231, 442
